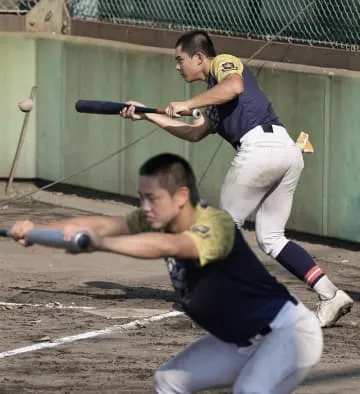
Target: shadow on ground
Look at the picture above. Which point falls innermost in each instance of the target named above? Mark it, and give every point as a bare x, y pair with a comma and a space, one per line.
126, 292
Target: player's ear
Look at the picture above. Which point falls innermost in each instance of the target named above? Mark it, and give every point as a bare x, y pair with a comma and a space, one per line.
200, 58
182, 196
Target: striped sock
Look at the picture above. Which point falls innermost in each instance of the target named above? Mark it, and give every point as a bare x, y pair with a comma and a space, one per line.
299, 262
313, 276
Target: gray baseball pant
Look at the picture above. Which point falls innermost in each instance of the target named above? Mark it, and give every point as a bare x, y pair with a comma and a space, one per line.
274, 364
263, 177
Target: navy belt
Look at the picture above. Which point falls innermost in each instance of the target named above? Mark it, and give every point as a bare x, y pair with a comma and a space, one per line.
268, 128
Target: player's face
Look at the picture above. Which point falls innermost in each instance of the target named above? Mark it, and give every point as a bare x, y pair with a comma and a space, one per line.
188, 67
160, 207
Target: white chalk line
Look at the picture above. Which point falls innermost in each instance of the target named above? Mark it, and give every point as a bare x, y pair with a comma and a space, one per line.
50, 305
90, 334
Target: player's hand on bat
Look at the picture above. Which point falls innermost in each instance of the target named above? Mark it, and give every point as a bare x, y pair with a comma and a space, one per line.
176, 107
129, 112
20, 229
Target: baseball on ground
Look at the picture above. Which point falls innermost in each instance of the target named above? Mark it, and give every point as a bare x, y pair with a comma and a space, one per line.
26, 105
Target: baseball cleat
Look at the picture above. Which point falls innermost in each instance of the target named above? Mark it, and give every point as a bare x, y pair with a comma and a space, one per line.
330, 311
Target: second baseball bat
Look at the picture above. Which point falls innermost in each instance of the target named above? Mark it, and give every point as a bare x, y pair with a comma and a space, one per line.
114, 108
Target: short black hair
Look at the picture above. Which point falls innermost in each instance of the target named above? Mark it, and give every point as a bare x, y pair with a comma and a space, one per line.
173, 172
196, 41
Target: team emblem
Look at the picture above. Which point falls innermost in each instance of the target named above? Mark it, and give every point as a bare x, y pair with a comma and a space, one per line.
201, 230
228, 66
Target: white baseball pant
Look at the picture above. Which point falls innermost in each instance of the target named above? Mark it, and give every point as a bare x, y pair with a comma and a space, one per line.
263, 177
274, 364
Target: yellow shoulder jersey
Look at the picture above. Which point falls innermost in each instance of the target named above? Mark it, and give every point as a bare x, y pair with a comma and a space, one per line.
224, 65
213, 233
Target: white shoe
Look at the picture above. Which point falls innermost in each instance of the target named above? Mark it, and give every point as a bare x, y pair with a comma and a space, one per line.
329, 311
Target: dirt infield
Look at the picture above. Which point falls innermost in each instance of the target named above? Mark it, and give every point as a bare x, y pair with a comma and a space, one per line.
47, 295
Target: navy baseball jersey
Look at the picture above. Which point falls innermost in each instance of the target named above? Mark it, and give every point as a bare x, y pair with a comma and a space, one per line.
227, 290
232, 120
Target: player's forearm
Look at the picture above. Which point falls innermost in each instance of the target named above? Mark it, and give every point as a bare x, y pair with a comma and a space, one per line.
176, 127
221, 93
103, 225
145, 245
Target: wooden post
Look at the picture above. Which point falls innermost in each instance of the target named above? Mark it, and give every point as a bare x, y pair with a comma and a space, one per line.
20, 144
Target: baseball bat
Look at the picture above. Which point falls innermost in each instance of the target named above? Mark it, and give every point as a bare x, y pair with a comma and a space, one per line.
55, 238
114, 108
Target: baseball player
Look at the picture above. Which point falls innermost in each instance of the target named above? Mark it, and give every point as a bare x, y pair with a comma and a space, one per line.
261, 338
267, 165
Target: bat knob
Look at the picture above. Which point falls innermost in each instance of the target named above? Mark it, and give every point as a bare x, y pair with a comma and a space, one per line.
196, 113
81, 243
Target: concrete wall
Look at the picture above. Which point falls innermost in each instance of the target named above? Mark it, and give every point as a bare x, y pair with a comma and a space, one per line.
17, 77
314, 100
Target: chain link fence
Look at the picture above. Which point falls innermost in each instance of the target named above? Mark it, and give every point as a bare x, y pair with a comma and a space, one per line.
331, 23
334, 23
16, 6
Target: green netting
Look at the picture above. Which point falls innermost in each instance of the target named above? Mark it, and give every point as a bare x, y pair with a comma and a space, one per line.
333, 23
16, 6
9, 6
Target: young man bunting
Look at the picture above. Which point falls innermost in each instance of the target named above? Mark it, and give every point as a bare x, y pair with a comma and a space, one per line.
261, 338
267, 165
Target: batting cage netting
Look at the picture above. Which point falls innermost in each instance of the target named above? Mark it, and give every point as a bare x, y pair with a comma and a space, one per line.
334, 23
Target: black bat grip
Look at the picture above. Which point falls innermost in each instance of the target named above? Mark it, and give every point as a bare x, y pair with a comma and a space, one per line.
107, 107
99, 107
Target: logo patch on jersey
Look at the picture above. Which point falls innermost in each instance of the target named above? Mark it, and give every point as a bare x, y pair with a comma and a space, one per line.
228, 66
201, 230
